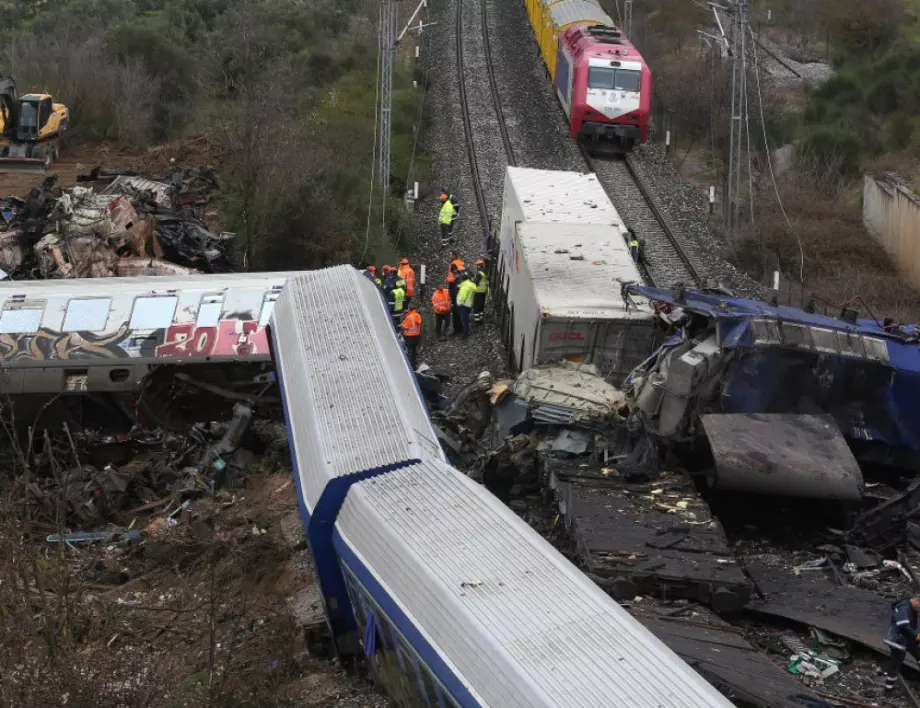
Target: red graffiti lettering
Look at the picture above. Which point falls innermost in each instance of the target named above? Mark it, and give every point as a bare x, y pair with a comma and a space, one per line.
566, 336
229, 338
188, 340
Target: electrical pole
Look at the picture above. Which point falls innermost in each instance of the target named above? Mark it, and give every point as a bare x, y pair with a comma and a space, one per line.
386, 47
627, 17
738, 108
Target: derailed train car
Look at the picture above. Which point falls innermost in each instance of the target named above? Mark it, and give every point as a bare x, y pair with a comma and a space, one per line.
562, 259
108, 334
452, 598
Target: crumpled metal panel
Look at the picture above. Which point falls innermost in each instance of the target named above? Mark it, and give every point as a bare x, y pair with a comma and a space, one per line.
519, 624
784, 454
351, 399
134, 186
568, 392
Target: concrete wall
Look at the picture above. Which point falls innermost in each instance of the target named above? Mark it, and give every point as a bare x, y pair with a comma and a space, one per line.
891, 213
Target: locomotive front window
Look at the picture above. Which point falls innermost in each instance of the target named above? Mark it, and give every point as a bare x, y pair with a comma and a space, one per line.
600, 78
628, 80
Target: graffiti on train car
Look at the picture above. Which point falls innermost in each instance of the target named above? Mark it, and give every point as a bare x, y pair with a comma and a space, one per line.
228, 338
46, 344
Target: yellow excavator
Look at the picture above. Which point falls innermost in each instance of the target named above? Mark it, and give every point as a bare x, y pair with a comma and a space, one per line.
31, 127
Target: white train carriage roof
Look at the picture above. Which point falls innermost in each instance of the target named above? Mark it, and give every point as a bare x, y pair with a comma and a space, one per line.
576, 268
568, 12
352, 402
514, 620
552, 195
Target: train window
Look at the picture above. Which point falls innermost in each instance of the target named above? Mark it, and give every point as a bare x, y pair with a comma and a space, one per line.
209, 310
153, 312
20, 321
89, 315
628, 80
600, 78
267, 306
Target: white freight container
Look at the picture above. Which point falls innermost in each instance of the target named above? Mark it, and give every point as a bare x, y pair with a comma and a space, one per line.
567, 301
549, 195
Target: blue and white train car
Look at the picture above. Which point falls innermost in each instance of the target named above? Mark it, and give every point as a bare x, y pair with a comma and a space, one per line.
454, 599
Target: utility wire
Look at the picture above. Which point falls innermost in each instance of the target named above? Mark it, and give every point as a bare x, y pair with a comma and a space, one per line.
370, 196
770, 165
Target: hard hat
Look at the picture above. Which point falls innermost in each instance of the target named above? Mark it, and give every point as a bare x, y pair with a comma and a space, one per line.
387, 268
372, 269
479, 261
404, 261
443, 196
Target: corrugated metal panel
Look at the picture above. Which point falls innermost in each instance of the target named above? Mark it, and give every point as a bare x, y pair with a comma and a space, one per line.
575, 269
568, 12
134, 185
519, 623
351, 399
549, 195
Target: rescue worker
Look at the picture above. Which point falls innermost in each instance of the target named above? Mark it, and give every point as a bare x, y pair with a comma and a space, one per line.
450, 210
465, 297
455, 268
396, 302
440, 301
371, 273
387, 277
901, 637
481, 281
634, 247
407, 273
412, 333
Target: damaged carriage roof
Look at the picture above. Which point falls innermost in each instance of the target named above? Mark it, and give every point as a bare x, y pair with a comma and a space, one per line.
722, 306
758, 323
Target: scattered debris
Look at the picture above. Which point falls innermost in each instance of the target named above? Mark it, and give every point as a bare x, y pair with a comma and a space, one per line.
814, 600
656, 539
129, 225
726, 659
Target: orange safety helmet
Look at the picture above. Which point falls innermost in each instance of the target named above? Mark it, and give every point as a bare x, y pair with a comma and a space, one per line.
444, 196
387, 268
480, 262
372, 270
404, 261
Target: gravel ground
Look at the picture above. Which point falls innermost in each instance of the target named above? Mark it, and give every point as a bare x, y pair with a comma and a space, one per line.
532, 112
460, 361
687, 208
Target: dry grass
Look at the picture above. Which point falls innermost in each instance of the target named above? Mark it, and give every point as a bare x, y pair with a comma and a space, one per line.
842, 261
198, 615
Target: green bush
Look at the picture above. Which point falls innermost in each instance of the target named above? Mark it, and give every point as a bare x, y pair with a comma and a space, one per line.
832, 145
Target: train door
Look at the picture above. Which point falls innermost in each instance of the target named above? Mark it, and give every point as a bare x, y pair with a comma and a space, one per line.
565, 75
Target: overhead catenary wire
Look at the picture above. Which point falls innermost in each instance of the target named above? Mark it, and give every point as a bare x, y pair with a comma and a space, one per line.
766, 143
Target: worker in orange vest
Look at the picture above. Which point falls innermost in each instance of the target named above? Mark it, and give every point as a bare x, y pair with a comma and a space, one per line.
440, 301
407, 273
412, 333
454, 270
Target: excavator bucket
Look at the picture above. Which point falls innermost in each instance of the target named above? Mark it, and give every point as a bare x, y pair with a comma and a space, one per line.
24, 164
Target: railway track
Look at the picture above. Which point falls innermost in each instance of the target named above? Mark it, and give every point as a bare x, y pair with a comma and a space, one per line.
462, 78
493, 87
666, 262
468, 123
